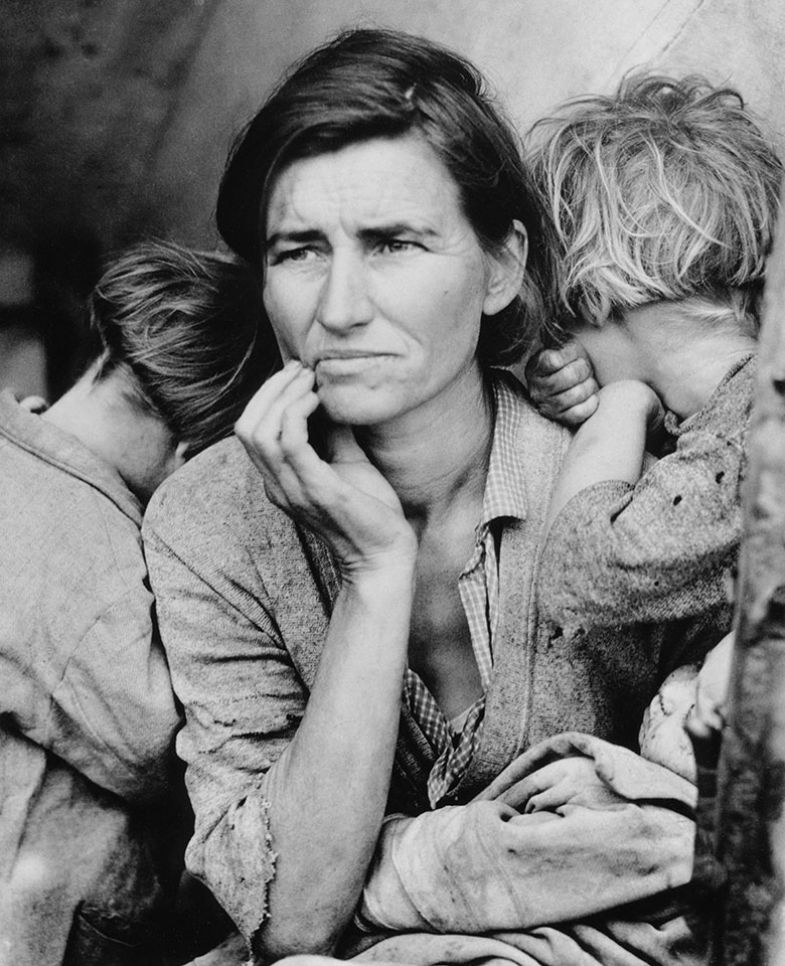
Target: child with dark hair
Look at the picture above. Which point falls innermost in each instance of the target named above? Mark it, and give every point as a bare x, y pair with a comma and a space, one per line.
89, 853
665, 196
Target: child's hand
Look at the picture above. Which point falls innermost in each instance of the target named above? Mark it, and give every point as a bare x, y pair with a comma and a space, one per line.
708, 717
562, 385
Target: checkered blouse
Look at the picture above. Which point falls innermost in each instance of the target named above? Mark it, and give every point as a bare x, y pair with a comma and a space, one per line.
478, 586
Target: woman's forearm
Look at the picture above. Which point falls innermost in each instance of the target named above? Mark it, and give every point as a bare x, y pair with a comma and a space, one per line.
329, 789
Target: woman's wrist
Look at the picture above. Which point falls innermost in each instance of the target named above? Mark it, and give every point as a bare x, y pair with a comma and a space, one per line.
394, 565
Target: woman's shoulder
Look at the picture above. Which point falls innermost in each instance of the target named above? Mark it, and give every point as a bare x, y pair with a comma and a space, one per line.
215, 493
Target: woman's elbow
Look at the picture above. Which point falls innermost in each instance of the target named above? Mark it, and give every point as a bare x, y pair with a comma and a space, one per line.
308, 926
299, 939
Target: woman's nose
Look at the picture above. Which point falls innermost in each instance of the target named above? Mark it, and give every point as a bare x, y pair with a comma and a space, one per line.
344, 301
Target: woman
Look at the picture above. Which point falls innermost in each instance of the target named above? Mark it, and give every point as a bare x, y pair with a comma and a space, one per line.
91, 825
349, 613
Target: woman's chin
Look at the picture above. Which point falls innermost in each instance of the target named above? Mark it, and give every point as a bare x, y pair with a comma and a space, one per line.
353, 406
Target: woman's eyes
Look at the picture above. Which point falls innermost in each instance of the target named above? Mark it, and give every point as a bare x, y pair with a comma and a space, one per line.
292, 255
305, 253
395, 245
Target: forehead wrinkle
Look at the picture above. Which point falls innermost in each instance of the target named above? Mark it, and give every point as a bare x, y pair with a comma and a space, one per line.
344, 189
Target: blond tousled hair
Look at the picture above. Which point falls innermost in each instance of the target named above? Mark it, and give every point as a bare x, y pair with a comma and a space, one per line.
667, 189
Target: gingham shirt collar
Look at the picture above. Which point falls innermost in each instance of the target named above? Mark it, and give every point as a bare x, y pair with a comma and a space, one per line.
505, 491
504, 497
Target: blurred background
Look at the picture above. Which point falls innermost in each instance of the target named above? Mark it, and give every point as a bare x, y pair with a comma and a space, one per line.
117, 114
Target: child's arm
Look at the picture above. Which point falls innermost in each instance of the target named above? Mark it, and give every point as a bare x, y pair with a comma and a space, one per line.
611, 444
621, 552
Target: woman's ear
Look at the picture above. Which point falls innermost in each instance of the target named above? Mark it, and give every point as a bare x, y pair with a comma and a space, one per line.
507, 267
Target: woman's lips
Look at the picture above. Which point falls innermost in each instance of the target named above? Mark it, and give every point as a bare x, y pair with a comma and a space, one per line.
348, 363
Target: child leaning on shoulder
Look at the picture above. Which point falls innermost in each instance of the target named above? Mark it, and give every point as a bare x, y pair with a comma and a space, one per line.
665, 197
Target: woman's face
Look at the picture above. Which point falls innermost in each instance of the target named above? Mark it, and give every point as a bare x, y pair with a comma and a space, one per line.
375, 279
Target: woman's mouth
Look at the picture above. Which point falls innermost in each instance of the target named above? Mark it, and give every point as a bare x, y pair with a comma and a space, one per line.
335, 365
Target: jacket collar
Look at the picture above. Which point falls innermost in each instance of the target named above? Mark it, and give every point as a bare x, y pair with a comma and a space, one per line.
51, 444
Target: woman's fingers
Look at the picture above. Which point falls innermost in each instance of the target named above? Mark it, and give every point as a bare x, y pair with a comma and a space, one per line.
554, 784
344, 497
261, 400
293, 437
286, 452
260, 427
518, 795
549, 799
531, 785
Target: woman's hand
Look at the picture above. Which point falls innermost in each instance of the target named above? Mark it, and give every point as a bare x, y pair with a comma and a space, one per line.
346, 500
561, 384
326, 817
566, 781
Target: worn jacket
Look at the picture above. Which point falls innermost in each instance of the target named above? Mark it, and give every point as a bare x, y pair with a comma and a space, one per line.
87, 714
244, 600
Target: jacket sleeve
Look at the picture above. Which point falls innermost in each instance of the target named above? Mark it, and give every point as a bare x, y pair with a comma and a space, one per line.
243, 701
113, 715
658, 551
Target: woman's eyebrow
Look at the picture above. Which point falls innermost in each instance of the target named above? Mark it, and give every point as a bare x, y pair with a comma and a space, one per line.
303, 237
391, 229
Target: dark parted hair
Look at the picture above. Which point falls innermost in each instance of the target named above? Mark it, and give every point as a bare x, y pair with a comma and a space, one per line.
368, 84
187, 331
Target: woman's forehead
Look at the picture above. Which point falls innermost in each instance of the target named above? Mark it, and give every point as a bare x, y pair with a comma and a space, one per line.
381, 179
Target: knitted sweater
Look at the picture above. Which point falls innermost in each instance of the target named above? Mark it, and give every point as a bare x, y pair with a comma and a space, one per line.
653, 551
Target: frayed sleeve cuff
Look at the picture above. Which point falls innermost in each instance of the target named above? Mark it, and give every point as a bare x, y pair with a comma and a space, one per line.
239, 862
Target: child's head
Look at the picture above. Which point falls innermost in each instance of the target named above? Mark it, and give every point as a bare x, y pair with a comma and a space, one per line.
665, 191
186, 333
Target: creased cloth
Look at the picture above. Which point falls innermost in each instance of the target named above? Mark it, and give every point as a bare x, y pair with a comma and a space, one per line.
495, 882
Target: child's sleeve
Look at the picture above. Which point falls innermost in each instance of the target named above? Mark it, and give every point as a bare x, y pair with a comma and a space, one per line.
659, 550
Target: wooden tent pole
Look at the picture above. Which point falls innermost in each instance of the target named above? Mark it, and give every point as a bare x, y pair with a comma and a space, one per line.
751, 780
